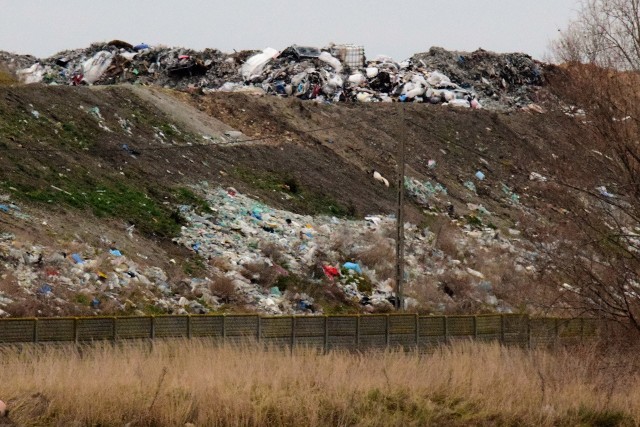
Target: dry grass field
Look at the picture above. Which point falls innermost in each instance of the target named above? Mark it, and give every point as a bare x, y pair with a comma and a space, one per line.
180, 382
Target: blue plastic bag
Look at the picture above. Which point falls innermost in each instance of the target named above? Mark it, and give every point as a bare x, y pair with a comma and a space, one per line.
352, 266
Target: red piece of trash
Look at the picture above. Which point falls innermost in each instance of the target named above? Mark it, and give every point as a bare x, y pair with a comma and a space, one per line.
330, 271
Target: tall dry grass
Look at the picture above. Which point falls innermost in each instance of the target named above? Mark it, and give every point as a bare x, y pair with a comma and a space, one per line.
181, 382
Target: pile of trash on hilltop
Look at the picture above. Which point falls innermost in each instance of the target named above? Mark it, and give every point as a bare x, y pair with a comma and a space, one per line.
334, 73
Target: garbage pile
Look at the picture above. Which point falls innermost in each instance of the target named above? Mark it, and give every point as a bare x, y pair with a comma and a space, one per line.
332, 74
355, 256
91, 280
500, 80
254, 257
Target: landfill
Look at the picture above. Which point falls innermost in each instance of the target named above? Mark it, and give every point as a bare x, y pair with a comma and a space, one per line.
253, 253
335, 73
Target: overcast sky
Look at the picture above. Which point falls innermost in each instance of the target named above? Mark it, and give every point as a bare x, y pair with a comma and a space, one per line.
394, 28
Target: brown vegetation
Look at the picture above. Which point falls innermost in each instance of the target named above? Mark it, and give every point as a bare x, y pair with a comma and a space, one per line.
178, 382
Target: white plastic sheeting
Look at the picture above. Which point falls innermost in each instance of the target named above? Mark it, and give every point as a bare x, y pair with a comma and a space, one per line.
94, 67
254, 65
33, 74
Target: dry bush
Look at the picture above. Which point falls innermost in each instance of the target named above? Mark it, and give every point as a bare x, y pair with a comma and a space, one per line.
223, 385
342, 241
378, 254
260, 273
223, 288
447, 239
9, 286
6, 76
182, 288
457, 286
28, 307
221, 264
272, 251
429, 296
138, 294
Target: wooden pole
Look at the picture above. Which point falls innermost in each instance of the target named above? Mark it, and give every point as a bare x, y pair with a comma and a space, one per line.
400, 229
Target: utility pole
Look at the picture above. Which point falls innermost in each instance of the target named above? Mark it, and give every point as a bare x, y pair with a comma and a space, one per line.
400, 229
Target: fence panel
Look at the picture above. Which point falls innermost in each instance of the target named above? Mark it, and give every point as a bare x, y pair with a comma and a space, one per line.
17, 330
515, 330
56, 329
570, 330
241, 329
432, 330
373, 332
171, 326
488, 328
543, 331
460, 327
590, 328
402, 330
277, 330
310, 331
342, 332
95, 329
207, 326
133, 327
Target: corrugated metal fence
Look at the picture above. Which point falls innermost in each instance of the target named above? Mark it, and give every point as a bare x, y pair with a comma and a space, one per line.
327, 332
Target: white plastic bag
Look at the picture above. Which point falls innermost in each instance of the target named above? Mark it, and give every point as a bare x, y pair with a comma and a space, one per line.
329, 59
33, 74
94, 68
436, 79
357, 79
254, 65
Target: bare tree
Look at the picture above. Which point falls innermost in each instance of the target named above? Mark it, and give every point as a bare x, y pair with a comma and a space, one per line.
595, 261
605, 33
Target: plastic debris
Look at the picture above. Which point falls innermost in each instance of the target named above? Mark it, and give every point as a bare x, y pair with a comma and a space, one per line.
77, 258
603, 192
470, 186
254, 65
330, 74
275, 291
380, 178
353, 267
45, 289
535, 176
330, 271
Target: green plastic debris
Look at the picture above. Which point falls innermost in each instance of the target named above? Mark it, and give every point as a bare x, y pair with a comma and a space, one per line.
510, 194
470, 186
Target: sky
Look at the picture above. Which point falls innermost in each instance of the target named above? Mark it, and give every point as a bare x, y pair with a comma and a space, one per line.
393, 28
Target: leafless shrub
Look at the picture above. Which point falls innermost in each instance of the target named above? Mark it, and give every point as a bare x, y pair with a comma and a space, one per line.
261, 273
377, 253
182, 288
7, 77
342, 241
446, 239
9, 285
272, 251
221, 264
430, 298
458, 286
223, 288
